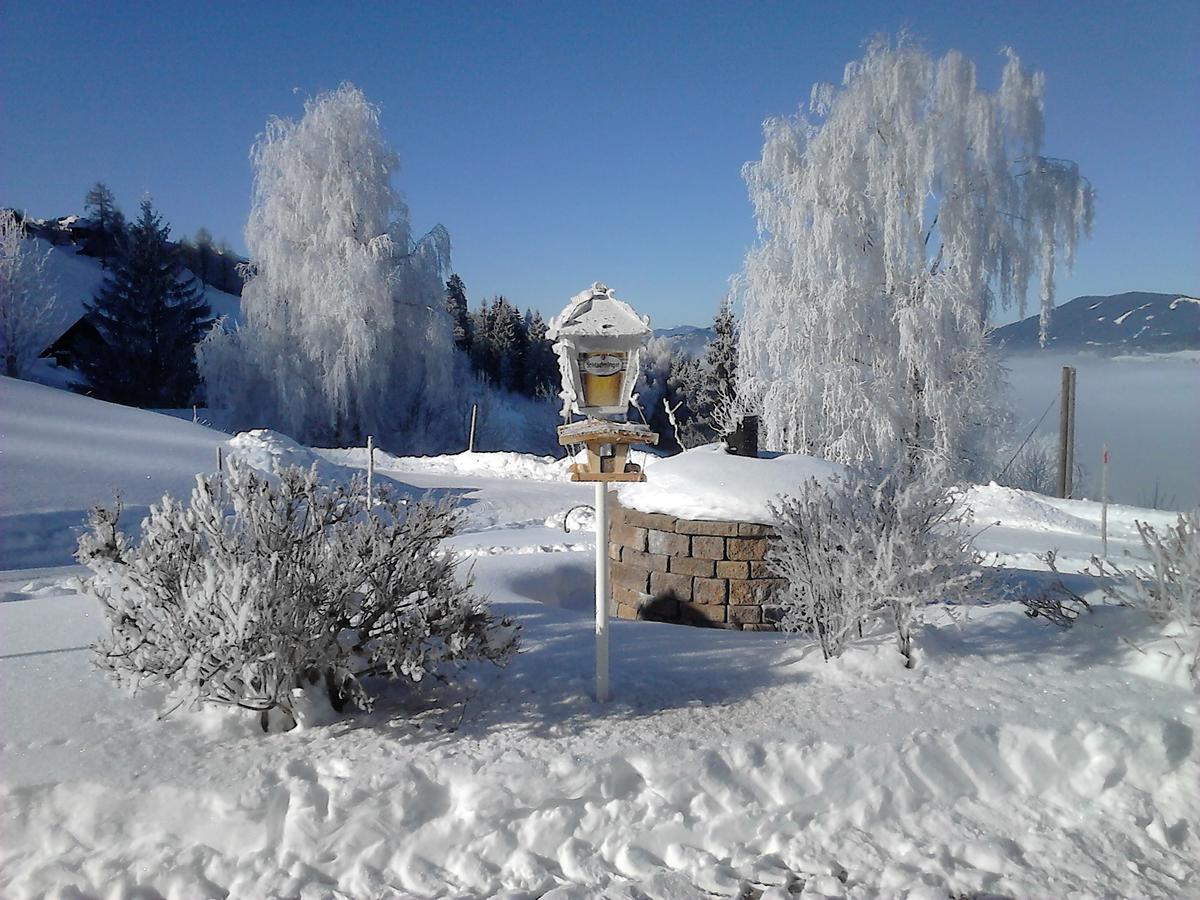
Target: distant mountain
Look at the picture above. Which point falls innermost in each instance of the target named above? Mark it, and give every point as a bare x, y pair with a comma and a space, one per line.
688, 339
1136, 322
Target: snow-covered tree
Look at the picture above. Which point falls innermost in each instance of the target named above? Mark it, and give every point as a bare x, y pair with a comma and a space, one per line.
894, 217
29, 318
345, 329
708, 386
150, 313
264, 585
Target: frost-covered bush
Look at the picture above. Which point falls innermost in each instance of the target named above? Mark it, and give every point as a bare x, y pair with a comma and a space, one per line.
264, 585
1168, 588
854, 550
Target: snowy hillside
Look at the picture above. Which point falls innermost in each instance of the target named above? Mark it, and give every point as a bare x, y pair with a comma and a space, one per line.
1135, 322
76, 279
1016, 760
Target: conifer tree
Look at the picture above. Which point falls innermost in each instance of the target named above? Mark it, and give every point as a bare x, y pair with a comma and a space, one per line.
101, 207
541, 365
150, 314
456, 305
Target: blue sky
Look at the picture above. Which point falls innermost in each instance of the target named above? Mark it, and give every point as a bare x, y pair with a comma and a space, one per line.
568, 142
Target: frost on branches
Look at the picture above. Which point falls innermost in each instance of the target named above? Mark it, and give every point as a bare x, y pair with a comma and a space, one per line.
892, 222
853, 551
345, 330
264, 586
29, 319
1168, 589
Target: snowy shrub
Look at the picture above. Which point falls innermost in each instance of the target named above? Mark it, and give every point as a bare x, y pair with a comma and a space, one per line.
1168, 589
1057, 603
265, 585
852, 551
1033, 467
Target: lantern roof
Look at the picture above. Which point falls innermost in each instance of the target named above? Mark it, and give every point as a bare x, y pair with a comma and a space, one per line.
596, 311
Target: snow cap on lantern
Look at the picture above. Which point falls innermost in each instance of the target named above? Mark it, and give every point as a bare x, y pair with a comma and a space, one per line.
598, 340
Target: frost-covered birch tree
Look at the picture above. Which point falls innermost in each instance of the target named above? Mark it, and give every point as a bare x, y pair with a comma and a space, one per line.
29, 319
345, 331
894, 216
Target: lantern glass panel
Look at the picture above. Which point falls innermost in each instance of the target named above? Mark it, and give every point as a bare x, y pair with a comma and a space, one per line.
603, 375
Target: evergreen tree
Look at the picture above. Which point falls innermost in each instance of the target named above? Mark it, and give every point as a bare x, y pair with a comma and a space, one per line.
541, 365
101, 207
706, 388
150, 314
456, 305
512, 344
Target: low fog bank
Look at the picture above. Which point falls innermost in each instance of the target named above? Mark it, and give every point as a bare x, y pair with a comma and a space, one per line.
1147, 408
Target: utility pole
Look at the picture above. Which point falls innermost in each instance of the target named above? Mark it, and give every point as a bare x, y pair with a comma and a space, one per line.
1066, 434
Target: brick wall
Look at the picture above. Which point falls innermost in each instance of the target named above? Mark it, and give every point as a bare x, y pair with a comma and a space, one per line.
668, 569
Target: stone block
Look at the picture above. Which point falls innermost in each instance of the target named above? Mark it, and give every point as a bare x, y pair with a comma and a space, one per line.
709, 590
616, 512
704, 547
762, 627
614, 552
649, 520
703, 613
628, 536
746, 529
754, 591
690, 565
667, 543
677, 586
746, 548
628, 576
651, 562
760, 569
696, 526
746, 615
733, 569
627, 596
626, 612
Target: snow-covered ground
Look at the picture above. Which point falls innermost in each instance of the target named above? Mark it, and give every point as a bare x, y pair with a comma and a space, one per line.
1016, 759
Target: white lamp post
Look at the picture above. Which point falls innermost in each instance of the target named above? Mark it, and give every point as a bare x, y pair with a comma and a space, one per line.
599, 340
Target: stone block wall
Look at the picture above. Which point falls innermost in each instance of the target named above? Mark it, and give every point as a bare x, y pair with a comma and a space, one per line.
695, 572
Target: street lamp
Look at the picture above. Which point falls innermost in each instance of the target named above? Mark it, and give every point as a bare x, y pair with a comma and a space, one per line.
598, 340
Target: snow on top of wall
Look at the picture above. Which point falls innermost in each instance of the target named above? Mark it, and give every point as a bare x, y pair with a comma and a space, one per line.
710, 483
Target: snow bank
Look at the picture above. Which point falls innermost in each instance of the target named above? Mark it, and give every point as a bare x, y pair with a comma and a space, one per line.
268, 450
499, 464
63, 453
709, 483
